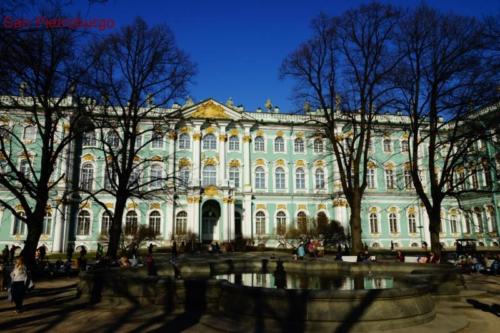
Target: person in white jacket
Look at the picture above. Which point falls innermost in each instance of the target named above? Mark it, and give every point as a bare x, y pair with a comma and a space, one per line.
18, 276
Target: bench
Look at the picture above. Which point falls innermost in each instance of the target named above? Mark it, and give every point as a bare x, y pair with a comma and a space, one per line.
411, 260
350, 258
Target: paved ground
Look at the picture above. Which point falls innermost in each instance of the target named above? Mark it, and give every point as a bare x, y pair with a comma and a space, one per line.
53, 306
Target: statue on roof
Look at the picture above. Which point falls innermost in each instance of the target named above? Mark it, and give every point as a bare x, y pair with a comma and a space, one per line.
269, 105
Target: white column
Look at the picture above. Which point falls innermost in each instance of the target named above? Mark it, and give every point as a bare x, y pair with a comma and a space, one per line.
231, 220
246, 219
225, 219
57, 245
196, 153
168, 230
247, 182
425, 230
221, 174
171, 153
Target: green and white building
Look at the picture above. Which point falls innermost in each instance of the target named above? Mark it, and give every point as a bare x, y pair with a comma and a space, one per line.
252, 175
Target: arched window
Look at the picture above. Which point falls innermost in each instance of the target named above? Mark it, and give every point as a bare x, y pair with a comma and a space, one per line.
302, 222
279, 175
260, 178
87, 177
299, 145
404, 145
321, 220
157, 140
209, 142
318, 146
479, 219
387, 145
370, 178
234, 143
453, 224
105, 223
184, 141
131, 223
373, 223
320, 179
181, 223
47, 224
412, 223
89, 138
260, 223
279, 144
209, 175
83, 228
281, 223
155, 222
19, 227
393, 223
184, 176
300, 179
259, 144
112, 139
156, 176
29, 133
234, 176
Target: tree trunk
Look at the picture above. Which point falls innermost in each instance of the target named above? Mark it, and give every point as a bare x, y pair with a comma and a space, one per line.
355, 223
116, 228
31, 243
434, 226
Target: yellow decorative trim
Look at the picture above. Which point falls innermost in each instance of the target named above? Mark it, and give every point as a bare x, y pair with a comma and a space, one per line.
280, 163
193, 199
340, 203
196, 136
222, 137
279, 133
247, 138
407, 166
88, 157
260, 161
260, 206
19, 208
109, 205
136, 158
371, 165
184, 129
406, 136
321, 206
373, 210
234, 131
389, 166
132, 205
86, 204
183, 162
210, 161
4, 120
156, 158
281, 206
412, 210
300, 163
339, 137
210, 130
393, 210
172, 135
109, 158
319, 163
228, 200
211, 191
302, 206
210, 110
234, 164
259, 133
48, 209
299, 135
155, 205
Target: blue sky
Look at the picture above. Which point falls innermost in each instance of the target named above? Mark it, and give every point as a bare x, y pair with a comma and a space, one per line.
239, 45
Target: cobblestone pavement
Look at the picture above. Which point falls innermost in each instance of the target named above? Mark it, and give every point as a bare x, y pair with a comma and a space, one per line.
53, 306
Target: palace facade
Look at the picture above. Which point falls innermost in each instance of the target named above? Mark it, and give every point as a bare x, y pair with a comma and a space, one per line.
254, 175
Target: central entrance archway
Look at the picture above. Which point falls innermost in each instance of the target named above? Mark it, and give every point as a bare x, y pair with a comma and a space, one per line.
209, 218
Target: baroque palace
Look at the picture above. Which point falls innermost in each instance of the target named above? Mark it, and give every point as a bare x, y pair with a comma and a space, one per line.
255, 175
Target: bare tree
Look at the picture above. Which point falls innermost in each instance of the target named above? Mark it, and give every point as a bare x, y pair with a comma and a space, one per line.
448, 75
139, 70
342, 70
37, 125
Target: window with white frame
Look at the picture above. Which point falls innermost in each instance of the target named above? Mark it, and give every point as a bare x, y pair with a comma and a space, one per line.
19, 227
300, 179
474, 179
412, 223
453, 225
318, 146
181, 223
87, 177
389, 179
387, 145
320, 179
404, 145
279, 175
157, 140
209, 142
279, 145
260, 178
29, 133
260, 223
109, 179
155, 222
259, 144
209, 175
184, 176
408, 180
184, 141
47, 224
393, 223
83, 225
479, 219
299, 145
281, 223
234, 143
135, 177
373, 223
105, 223
234, 176
156, 175
131, 223
89, 138
112, 139
370, 178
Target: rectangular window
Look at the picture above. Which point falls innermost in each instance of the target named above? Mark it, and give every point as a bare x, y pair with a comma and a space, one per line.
234, 176
371, 178
389, 179
408, 180
157, 140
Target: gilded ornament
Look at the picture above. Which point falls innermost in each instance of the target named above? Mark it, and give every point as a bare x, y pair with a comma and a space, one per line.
184, 129
247, 138
299, 135
281, 206
300, 163
371, 165
109, 205
393, 210
412, 210
211, 191
319, 163
259, 133
234, 164
222, 137
279, 133
209, 130
302, 206
280, 163
184, 162
156, 158
260, 161
86, 204
373, 210
234, 131
210, 161
210, 110
172, 135
260, 206
389, 166
19, 208
155, 205
321, 206
136, 158
132, 205
196, 136
88, 157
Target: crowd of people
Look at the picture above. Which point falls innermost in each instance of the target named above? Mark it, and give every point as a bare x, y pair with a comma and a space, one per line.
312, 247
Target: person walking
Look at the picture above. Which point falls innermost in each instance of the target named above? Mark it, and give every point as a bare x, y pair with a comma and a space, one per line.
5, 255
19, 276
174, 250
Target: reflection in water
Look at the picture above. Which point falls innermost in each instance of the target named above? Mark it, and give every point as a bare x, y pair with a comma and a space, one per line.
280, 275
281, 279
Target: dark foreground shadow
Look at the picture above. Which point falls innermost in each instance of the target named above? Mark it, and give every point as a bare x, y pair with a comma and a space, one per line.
494, 308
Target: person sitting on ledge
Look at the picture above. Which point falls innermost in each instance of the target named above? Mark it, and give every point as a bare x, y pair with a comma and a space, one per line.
400, 257
124, 262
